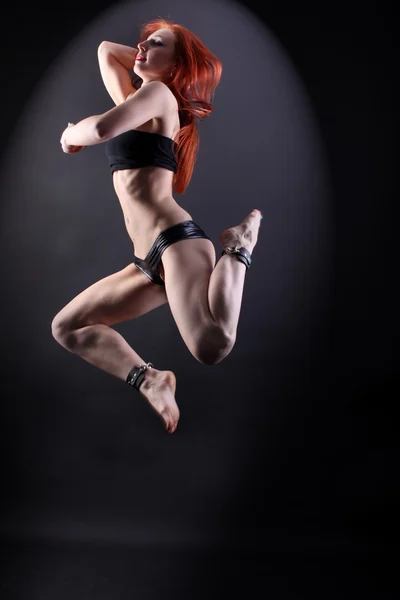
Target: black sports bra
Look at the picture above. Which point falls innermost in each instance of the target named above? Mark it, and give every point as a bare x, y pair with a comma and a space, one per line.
134, 149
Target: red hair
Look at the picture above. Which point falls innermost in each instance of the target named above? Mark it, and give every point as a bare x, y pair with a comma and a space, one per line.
193, 84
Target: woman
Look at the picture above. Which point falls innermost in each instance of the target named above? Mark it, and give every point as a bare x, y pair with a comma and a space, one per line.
152, 141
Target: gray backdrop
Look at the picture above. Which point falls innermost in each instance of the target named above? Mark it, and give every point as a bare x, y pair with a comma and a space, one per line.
281, 477
101, 465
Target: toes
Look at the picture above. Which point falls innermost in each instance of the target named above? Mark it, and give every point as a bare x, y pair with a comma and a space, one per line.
172, 427
171, 423
256, 216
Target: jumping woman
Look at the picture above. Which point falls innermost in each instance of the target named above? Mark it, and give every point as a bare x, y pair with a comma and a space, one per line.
151, 141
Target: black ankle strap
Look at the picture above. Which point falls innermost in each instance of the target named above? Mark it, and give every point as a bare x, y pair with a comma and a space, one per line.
137, 374
242, 254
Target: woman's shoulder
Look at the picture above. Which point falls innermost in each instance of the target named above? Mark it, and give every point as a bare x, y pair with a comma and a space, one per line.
156, 91
163, 90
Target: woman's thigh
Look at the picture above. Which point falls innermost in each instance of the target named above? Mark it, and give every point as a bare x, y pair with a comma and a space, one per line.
188, 265
122, 296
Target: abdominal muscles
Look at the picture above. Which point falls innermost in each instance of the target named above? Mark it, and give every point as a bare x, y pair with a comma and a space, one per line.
147, 203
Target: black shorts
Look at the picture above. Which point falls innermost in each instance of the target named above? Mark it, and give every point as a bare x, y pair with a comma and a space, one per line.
150, 265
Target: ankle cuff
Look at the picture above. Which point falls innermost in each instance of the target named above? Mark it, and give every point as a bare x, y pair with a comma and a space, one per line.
137, 374
242, 254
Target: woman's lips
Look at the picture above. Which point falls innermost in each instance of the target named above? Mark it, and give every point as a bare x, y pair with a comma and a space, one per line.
140, 58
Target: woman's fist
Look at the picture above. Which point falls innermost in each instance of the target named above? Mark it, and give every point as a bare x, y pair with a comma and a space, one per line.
68, 148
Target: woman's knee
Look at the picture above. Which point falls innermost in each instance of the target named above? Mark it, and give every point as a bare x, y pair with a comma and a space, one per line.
62, 331
212, 346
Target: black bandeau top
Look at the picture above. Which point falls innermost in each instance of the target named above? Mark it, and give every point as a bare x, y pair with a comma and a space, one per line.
134, 149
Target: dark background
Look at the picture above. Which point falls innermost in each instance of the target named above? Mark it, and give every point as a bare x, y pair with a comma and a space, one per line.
331, 478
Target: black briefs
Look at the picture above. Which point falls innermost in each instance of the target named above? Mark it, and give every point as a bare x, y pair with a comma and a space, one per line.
150, 265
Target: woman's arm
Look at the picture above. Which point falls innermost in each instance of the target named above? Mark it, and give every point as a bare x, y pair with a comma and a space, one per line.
153, 100
85, 133
116, 63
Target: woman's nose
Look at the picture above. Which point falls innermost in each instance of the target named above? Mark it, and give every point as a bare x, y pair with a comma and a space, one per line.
141, 46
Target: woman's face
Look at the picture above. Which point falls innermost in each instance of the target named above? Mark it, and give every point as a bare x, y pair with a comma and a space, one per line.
159, 56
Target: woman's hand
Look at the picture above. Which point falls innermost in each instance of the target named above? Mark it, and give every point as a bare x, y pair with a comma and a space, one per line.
67, 148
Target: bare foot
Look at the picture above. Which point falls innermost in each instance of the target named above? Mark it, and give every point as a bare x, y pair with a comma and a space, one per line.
243, 235
158, 388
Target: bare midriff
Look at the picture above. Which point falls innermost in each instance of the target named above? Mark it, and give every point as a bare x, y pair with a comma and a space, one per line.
145, 195
147, 204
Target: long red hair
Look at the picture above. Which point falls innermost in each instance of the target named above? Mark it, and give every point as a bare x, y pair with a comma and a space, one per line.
193, 84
